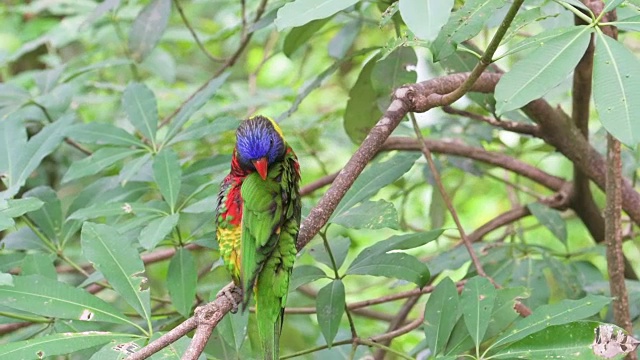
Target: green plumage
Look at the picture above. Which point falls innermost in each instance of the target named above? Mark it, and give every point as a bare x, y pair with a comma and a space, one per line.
270, 224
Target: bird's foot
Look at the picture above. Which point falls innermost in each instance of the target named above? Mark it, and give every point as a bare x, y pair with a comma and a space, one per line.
231, 292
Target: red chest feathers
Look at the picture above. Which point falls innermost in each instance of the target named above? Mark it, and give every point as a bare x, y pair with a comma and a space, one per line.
233, 204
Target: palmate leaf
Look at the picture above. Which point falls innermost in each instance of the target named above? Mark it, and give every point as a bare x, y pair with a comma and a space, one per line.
98, 161
616, 89
39, 264
15, 207
157, 230
339, 249
329, 308
47, 297
425, 18
118, 260
300, 12
301, 35
533, 76
58, 344
362, 111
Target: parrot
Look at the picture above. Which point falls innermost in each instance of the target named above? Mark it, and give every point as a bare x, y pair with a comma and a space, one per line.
258, 219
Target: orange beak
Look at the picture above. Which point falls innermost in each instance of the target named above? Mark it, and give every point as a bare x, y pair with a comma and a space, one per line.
261, 166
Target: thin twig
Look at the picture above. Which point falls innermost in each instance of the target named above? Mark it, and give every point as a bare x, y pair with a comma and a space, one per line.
513, 126
445, 197
186, 22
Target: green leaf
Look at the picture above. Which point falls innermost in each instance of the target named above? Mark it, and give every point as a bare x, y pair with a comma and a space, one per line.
98, 12
536, 74
49, 217
391, 72
616, 89
378, 175
398, 242
300, 12
181, 281
369, 215
568, 341
339, 248
330, 305
630, 23
118, 260
139, 103
305, 274
132, 168
560, 313
47, 297
610, 5
194, 104
157, 230
6, 279
538, 40
58, 344
30, 156
148, 28
13, 139
167, 173
205, 128
551, 219
395, 265
114, 209
107, 134
98, 161
39, 264
463, 24
343, 40
425, 18
362, 111
16, 207
301, 35
477, 301
440, 315
233, 329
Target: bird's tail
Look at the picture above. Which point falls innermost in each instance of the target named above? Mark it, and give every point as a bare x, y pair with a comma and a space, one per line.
269, 331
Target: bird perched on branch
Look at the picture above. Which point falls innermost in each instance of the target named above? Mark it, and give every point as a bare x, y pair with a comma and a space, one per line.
258, 218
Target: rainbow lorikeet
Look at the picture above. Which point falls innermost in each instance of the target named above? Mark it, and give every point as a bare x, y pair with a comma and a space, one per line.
258, 218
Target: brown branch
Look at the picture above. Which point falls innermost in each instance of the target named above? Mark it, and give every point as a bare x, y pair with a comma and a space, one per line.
322, 182
425, 95
7, 328
513, 126
494, 158
396, 324
447, 201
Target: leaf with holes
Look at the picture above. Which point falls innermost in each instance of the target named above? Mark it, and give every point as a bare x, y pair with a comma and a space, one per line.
477, 301
48, 297
118, 260
59, 344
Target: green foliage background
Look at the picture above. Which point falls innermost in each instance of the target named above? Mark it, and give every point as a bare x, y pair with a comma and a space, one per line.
116, 128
